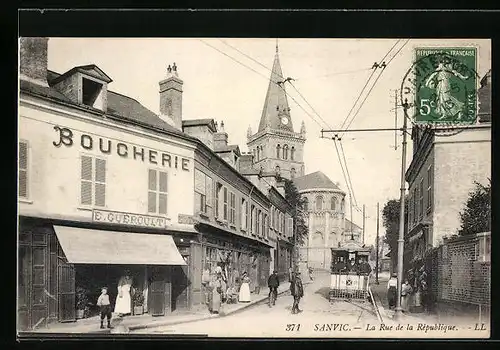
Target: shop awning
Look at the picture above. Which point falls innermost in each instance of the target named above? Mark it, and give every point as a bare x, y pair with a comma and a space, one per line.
86, 246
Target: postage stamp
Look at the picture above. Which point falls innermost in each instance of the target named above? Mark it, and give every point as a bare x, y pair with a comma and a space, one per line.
141, 215
441, 86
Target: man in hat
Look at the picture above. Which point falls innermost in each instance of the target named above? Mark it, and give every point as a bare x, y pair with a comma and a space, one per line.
297, 291
273, 283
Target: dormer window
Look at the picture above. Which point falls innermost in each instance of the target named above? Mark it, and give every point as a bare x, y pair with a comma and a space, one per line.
92, 93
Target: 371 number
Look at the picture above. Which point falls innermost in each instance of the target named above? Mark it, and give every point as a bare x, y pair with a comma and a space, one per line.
292, 327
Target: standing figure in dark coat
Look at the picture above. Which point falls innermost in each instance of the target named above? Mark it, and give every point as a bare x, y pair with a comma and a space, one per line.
297, 291
273, 283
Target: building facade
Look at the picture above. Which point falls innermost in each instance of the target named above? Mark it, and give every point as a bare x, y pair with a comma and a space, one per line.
100, 183
443, 171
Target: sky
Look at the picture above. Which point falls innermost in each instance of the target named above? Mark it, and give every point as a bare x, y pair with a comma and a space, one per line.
328, 73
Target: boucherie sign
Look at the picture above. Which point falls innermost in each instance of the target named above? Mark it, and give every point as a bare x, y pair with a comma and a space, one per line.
67, 138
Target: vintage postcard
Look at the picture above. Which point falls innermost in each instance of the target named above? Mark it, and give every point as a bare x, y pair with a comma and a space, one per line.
312, 188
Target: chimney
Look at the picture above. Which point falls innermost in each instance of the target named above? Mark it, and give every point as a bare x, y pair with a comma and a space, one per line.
33, 60
220, 137
171, 98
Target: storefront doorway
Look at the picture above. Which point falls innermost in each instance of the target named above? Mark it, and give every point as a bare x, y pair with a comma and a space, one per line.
89, 279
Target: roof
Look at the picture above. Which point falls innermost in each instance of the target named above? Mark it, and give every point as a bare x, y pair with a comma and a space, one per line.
276, 103
89, 67
314, 180
228, 148
348, 223
197, 122
117, 104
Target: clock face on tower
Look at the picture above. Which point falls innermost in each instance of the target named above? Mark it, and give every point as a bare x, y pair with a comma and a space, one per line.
284, 120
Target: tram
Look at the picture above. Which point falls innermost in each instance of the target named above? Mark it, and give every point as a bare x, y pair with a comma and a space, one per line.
350, 273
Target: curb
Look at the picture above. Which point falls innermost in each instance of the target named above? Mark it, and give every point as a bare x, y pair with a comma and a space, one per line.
176, 322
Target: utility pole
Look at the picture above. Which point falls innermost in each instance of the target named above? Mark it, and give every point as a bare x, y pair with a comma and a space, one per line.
363, 238
395, 119
399, 311
376, 243
350, 205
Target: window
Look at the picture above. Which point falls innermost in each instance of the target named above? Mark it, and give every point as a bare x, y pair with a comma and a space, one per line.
282, 223
277, 169
252, 219
260, 224
278, 151
333, 204
319, 203
225, 203
342, 206
203, 193
93, 181
157, 192
232, 208
244, 214
258, 153
285, 152
266, 226
410, 208
92, 93
292, 153
292, 173
276, 220
306, 204
218, 189
290, 227
415, 205
429, 188
421, 198
271, 215
23, 169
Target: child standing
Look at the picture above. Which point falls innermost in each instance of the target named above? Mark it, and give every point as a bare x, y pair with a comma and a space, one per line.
103, 303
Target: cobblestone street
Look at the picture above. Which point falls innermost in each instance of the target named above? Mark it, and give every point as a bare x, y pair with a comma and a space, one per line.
263, 321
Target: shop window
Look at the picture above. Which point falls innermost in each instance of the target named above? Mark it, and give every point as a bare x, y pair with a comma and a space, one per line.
244, 213
232, 208
203, 193
157, 192
23, 169
93, 181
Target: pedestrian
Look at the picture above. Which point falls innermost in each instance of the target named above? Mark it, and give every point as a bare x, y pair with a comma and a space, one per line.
392, 286
123, 305
273, 283
297, 291
104, 306
405, 295
310, 269
244, 296
217, 287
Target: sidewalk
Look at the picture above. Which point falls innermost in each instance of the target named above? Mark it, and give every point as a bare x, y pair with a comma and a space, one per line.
91, 325
379, 292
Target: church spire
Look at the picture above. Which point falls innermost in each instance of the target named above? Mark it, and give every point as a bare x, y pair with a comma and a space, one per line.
276, 113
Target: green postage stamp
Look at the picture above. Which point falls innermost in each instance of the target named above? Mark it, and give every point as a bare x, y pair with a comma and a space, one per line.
445, 82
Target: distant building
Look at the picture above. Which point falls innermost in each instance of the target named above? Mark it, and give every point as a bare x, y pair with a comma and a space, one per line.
442, 173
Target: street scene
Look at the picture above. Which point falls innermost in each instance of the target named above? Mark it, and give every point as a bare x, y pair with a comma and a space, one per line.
264, 188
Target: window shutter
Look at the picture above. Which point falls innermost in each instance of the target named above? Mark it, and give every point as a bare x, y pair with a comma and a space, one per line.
199, 182
100, 182
86, 183
23, 169
290, 227
162, 196
152, 185
209, 191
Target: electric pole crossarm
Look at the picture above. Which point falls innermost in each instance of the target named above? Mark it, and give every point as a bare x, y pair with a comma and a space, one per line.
360, 130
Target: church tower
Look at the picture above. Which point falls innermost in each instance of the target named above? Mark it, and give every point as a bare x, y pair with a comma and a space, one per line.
276, 147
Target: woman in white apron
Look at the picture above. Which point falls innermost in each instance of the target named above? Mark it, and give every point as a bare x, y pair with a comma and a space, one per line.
123, 305
244, 296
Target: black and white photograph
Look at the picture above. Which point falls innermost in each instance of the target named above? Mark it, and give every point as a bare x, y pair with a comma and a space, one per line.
254, 187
